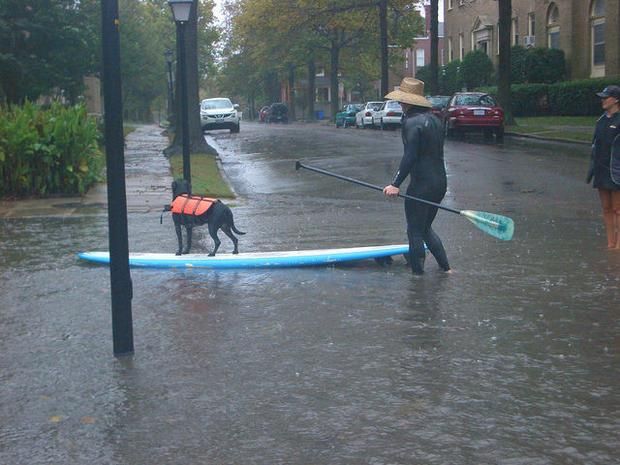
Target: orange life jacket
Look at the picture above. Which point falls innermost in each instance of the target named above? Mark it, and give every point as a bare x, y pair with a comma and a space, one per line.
191, 204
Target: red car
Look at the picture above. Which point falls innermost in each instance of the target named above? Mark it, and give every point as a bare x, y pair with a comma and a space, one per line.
468, 111
262, 114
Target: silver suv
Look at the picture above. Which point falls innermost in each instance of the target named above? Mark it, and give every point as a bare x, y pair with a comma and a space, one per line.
219, 113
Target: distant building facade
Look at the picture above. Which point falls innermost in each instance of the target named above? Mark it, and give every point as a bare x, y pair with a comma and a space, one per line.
588, 31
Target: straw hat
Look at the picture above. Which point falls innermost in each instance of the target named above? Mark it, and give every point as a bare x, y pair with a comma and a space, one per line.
410, 91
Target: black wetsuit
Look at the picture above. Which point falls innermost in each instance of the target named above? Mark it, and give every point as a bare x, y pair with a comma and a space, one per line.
606, 133
423, 162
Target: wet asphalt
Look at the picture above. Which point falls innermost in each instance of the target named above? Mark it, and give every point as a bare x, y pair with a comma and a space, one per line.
512, 359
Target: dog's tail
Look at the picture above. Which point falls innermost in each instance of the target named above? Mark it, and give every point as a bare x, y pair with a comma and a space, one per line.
234, 228
166, 209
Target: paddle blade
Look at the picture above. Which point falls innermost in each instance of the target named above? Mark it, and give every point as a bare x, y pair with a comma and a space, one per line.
498, 226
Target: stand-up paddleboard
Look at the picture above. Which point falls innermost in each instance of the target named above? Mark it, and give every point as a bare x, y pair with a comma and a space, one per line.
293, 258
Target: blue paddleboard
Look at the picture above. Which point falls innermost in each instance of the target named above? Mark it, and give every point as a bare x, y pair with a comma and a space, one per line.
293, 258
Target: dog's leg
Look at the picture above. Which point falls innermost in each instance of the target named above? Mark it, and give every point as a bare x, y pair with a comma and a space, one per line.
177, 228
234, 240
216, 240
188, 229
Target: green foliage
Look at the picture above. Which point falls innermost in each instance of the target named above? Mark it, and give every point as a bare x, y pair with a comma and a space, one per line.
45, 46
544, 65
48, 151
518, 70
476, 69
568, 98
450, 80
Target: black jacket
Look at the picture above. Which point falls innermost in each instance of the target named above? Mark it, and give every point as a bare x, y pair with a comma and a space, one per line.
422, 159
605, 157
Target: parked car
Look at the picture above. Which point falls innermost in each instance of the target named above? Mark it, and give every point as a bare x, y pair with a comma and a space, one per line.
363, 118
346, 117
262, 114
469, 111
278, 113
439, 103
390, 114
219, 113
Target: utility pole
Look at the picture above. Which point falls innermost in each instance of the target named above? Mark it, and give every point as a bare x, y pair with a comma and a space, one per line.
384, 46
120, 279
504, 65
434, 84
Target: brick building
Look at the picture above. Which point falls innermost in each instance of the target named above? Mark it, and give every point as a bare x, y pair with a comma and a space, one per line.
588, 31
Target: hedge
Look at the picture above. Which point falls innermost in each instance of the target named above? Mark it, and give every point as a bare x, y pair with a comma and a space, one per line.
51, 151
567, 98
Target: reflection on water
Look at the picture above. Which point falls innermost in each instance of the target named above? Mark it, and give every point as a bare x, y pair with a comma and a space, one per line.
511, 359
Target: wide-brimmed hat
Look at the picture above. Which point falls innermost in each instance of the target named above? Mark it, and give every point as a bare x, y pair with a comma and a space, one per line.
610, 91
410, 91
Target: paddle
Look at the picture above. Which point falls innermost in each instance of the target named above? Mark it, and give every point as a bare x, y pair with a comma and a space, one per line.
497, 226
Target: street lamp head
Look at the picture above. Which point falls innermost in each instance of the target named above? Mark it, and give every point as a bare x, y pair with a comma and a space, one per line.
180, 9
169, 55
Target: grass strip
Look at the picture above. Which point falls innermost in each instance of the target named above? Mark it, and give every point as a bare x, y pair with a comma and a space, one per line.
569, 128
206, 177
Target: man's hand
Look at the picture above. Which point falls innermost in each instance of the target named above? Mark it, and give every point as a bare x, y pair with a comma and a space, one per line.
391, 191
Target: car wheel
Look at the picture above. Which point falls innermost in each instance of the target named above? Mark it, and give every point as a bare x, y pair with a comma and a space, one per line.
235, 129
448, 132
499, 134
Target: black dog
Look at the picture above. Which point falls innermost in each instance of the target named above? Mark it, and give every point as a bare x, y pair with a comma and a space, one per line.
217, 216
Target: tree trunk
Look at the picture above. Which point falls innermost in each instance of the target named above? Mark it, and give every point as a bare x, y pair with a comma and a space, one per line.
311, 88
333, 78
383, 32
197, 142
291, 91
434, 84
503, 71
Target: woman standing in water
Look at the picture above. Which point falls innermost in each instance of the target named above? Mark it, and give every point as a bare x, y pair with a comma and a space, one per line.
605, 163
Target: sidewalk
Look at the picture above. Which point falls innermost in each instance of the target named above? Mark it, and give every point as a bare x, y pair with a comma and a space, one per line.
147, 181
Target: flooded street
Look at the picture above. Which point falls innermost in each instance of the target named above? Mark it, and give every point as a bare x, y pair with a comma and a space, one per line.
512, 359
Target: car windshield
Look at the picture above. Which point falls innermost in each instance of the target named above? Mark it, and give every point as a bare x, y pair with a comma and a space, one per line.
481, 100
393, 105
439, 101
375, 105
216, 104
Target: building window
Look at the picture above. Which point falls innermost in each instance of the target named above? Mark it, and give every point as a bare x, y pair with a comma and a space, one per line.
419, 57
461, 46
553, 26
450, 51
515, 31
320, 72
322, 94
597, 33
531, 24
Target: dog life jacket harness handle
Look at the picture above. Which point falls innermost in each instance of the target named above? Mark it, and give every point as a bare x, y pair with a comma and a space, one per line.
191, 205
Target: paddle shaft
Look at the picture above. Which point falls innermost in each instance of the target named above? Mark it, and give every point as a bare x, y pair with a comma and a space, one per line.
371, 186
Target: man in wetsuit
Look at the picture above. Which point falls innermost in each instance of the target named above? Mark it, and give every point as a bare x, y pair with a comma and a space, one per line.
423, 162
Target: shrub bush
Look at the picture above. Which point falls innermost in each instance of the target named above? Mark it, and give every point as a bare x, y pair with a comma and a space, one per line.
476, 69
53, 151
544, 65
569, 98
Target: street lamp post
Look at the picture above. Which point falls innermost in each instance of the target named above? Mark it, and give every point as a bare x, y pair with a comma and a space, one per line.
181, 10
169, 59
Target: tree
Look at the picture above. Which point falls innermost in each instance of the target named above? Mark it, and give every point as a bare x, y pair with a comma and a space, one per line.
476, 69
46, 47
434, 81
198, 144
504, 68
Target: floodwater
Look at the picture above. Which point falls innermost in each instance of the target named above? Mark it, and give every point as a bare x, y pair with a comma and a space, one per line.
512, 359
